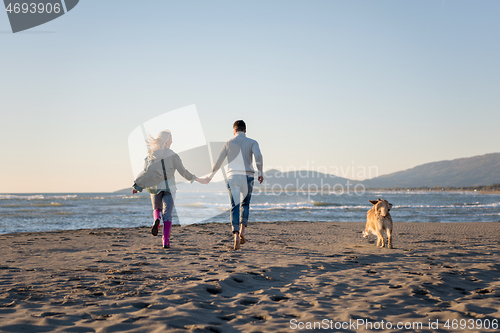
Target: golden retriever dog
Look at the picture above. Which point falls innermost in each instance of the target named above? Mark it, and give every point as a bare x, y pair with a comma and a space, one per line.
378, 219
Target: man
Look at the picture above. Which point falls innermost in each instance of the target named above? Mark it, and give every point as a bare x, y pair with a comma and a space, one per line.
239, 151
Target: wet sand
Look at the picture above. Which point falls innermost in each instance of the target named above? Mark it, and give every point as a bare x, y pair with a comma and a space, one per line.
286, 275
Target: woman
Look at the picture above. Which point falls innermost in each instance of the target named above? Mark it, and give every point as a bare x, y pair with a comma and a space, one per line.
158, 179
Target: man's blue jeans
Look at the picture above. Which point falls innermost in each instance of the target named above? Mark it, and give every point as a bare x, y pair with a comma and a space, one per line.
239, 186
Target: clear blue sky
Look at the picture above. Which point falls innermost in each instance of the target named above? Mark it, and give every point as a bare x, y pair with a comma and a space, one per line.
391, 84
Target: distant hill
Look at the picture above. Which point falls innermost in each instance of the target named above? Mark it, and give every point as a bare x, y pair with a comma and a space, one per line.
462, 172
300, 179
124, 191
291, 180
470, 171
128, 190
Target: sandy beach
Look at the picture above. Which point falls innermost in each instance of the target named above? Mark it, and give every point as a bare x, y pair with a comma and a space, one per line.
286, 277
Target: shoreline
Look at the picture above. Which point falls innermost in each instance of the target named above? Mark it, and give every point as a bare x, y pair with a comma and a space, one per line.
93, 280
426, 190
379, 190
223, 223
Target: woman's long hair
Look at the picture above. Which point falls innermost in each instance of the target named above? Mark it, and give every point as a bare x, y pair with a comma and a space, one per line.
159, 142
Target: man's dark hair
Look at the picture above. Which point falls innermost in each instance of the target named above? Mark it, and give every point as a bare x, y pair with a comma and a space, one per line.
240, 126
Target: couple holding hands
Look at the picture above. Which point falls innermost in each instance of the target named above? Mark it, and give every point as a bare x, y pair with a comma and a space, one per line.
158, 179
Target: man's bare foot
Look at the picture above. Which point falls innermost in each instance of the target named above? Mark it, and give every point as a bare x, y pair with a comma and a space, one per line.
242, 231
236, 242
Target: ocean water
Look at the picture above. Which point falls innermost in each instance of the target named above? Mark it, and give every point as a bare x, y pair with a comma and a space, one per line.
49, 212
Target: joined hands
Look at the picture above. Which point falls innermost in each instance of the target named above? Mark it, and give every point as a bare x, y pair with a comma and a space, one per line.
203, 181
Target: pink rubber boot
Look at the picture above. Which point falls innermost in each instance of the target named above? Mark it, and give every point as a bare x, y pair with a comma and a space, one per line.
167, 226
156, 225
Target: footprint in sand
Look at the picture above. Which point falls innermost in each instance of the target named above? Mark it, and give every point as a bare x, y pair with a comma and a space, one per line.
140, 305
291, 316
396, 286
214, 290
305, 304
102, 317
134, 319
227, 317
50, 314
249, 301
260, 317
